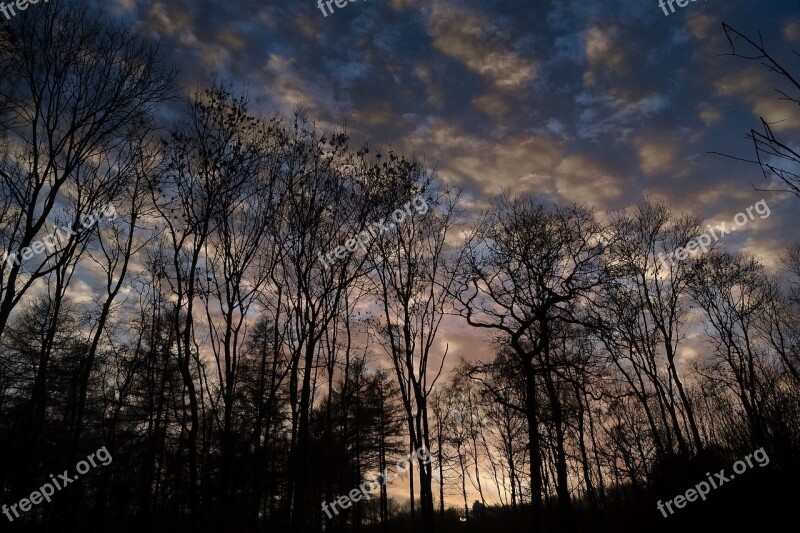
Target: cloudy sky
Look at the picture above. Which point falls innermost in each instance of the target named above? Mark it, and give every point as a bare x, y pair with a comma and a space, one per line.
599, 102
575, 101
572, 100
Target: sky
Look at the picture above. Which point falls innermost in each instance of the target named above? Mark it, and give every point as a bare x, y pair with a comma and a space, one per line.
598, 102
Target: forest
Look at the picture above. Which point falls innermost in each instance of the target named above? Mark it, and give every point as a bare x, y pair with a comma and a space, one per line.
239, 383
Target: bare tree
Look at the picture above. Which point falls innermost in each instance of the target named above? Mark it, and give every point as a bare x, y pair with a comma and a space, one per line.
209, 159
774, 155
735, 294
414, 277
527, 267
653, 301
77, 93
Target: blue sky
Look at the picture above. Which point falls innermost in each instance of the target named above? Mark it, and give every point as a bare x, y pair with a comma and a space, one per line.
598, 102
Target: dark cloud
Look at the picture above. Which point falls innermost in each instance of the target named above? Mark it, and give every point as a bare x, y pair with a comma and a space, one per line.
597, 102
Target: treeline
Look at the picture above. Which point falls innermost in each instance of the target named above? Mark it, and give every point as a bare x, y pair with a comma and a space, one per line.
239, 382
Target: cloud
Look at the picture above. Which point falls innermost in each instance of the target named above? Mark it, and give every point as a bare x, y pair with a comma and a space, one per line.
478, 43
655, 156
521, 163
791, 30
603, 54
609, 114
781, 114
491, 104
580, 179
709, 114
699, 25
741, 82
755, 86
